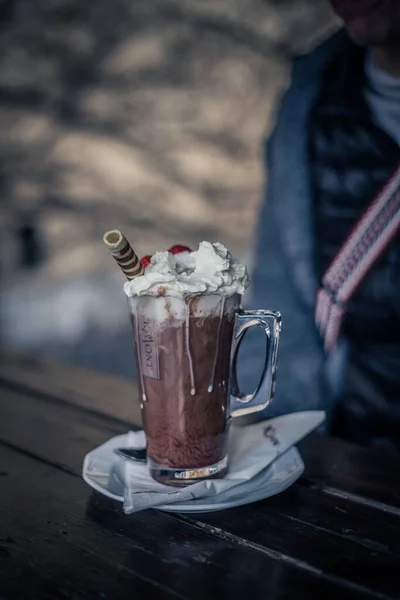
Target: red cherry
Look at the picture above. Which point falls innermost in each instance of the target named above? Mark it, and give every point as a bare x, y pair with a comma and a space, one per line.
178, 249
145, 261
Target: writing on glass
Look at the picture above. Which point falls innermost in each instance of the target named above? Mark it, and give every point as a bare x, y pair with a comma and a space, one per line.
148, 345
270, 433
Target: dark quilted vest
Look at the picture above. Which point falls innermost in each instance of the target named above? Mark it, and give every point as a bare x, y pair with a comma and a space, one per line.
351, 159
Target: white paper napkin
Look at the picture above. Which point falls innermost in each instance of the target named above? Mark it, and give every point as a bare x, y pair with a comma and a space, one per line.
251, 450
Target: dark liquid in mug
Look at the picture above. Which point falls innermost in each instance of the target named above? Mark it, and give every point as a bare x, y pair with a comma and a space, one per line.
186, 409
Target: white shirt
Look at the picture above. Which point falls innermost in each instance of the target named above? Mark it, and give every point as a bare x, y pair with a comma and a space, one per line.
383, 97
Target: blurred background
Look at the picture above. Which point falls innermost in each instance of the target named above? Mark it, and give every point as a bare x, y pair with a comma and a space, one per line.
144, 115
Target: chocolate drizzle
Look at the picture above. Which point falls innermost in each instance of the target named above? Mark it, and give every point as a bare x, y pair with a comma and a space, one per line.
221, 316
187, 337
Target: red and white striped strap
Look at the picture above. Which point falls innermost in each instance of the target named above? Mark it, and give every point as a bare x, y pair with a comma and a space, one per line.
362, 248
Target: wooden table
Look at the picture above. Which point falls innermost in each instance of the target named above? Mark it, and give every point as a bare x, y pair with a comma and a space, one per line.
334, 534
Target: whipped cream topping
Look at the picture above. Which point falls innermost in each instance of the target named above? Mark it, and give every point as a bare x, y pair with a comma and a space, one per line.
210, 269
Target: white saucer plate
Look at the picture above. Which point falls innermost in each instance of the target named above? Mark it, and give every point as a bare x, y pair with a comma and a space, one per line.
105, 473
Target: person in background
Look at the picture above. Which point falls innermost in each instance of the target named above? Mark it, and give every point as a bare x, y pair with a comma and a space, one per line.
335, 146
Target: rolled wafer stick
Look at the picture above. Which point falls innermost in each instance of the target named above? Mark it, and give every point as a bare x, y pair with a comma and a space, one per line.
123, 253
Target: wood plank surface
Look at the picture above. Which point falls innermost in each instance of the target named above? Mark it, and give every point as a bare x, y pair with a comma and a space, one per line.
60, 540
301, 526
336, 465
91, 391
59, 434
338, 525
332, 465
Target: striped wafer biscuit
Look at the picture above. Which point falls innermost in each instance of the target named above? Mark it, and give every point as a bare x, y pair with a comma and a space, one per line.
123, 253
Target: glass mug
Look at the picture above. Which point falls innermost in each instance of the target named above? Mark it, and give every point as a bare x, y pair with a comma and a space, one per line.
186, 353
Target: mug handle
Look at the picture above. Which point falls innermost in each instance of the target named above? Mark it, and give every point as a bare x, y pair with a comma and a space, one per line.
270, 322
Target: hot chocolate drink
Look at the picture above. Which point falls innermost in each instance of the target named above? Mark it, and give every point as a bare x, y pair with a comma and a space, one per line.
185, 409
183, 314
